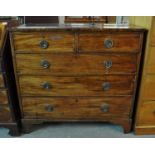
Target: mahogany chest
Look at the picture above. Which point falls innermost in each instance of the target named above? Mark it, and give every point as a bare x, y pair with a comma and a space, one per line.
76, 73
8, 97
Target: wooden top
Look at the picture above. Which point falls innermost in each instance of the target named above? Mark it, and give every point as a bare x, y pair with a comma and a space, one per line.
77, 27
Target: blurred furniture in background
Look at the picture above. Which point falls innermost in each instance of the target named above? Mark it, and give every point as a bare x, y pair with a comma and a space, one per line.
9, 111
90, 19
145, 116
39, 19
10, 20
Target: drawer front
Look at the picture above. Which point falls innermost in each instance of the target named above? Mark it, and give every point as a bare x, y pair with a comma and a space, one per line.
146, 115
43, 41
76, 64
76, 108
114, 42
1, 81
5, 113
76, 86
3, 97
150, 67
149, 87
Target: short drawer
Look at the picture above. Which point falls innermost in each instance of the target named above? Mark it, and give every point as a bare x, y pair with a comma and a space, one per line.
146, 114
76, 86
1, 81
76, 108
71, 64
149, 87
150, 67
112, 42
43, 42
3, 97
5, 113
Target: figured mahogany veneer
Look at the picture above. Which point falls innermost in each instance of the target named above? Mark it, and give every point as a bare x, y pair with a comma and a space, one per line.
76, 64
76, 86
66, 73
122, 42
75, 107
57, 42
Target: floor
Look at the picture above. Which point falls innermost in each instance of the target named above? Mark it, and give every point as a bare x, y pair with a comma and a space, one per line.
76, 130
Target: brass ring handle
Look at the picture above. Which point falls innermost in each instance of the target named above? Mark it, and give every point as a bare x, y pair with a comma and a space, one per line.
108, 64
108, 43
105, 107
106, 86
49, 108
45, 64
46, 85
44, 44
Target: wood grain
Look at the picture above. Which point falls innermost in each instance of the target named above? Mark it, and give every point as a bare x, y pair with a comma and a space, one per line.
90, 42
146, 114
76, 73
30, 42
149, 87
76, 86
145, 130
1, 81
145, 119
79, 64
5, 113
2, 34
150, 67
153, 32
3, 97
75, 108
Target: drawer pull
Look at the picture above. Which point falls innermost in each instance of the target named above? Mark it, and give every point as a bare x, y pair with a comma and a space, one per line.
105, 107
45, 64
108, 64
108, 43
44, 44
106, 86
49, 108
46, 85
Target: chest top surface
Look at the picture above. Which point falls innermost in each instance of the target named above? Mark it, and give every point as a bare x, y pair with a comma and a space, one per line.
78, 27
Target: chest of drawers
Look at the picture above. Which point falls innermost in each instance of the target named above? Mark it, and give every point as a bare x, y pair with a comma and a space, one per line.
66, 73
8, 95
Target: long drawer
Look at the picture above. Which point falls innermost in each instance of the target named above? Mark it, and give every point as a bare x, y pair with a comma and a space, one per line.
124, 42
5, 113
76, 108
3, 97
76, 86
68, 64
43, 42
